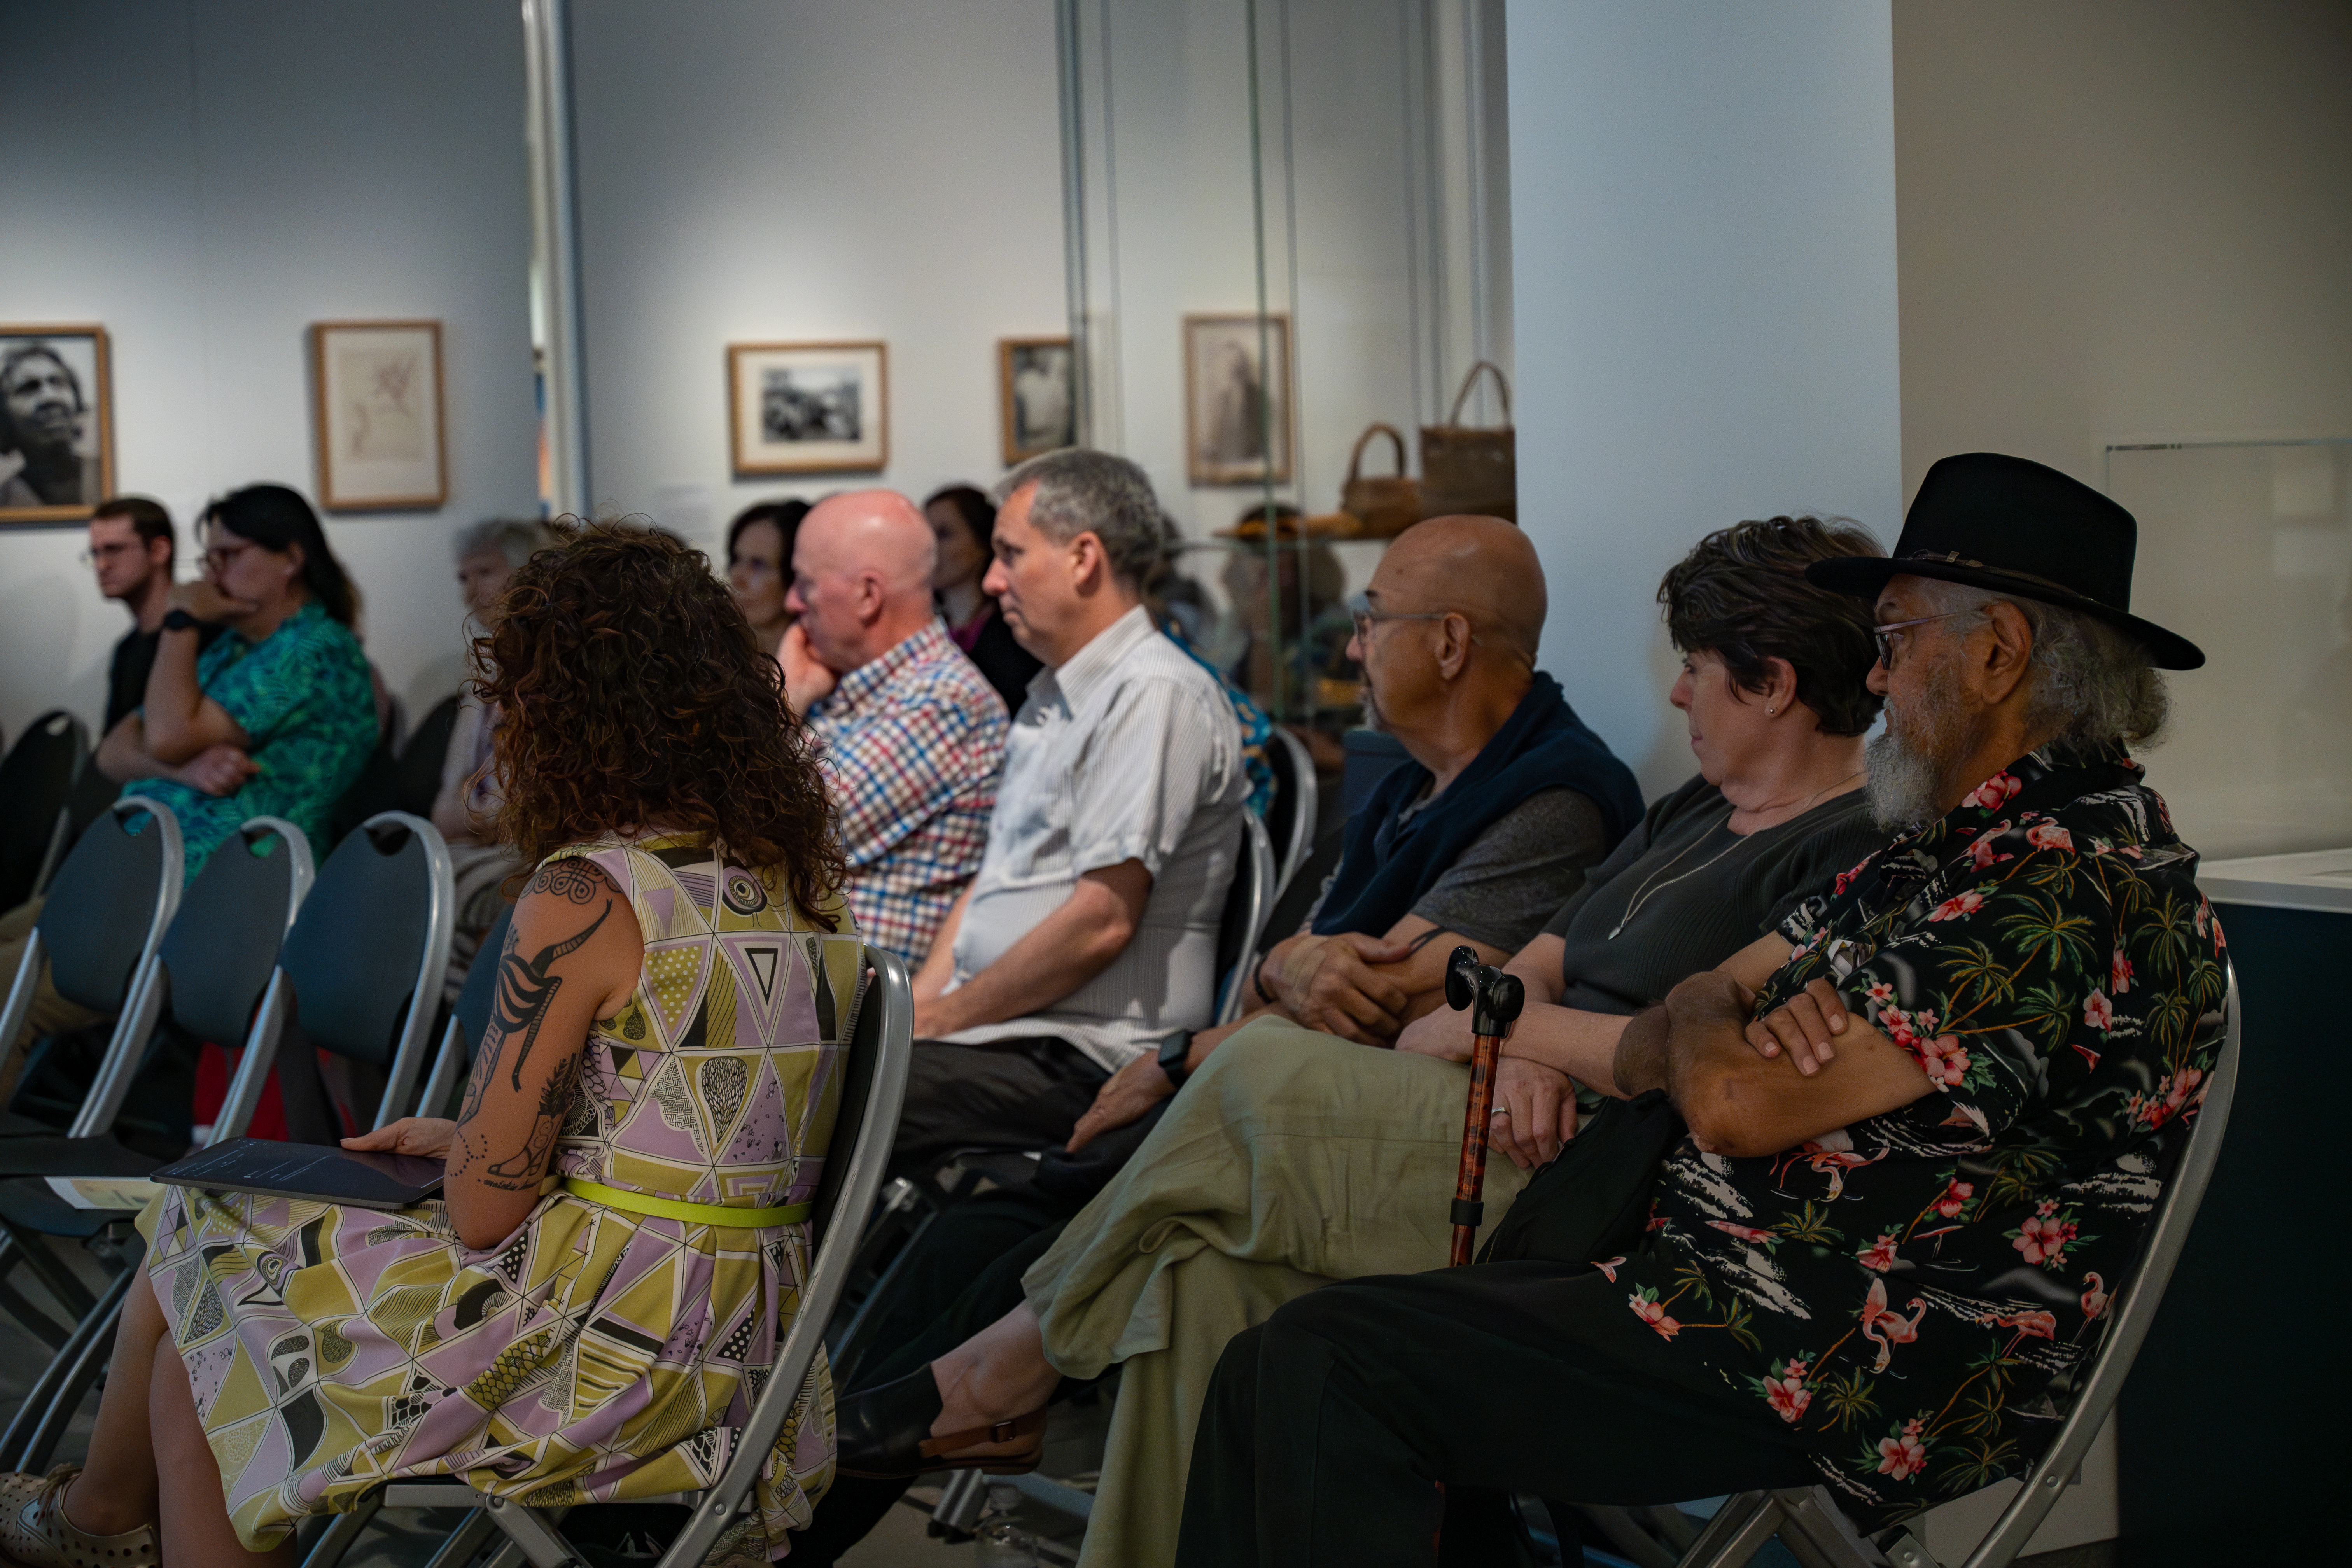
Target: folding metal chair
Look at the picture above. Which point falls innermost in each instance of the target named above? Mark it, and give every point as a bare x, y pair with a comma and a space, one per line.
108, 909
1290, 818
37, 785
874, 1083
212, 975
1247, 903
1807, 1519
365, 958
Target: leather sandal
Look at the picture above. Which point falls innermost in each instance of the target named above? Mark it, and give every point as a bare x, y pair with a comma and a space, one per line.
885, 1433
35, 1534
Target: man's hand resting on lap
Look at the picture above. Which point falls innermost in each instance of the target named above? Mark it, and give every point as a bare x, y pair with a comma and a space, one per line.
1130, 1092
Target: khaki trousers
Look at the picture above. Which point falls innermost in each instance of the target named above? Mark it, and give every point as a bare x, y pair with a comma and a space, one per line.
50, 1013
1292, 1160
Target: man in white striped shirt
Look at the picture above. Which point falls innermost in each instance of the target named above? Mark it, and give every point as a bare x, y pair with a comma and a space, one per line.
1091, 932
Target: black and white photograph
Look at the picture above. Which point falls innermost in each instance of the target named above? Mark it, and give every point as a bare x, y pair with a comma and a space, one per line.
378, 390
1038, 393
807, 408
57, 457
1237, 399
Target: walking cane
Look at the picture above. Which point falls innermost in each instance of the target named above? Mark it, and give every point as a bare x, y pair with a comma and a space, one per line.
1494, 999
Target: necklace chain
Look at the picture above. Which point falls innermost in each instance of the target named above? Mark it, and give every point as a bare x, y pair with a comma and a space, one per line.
1653, 887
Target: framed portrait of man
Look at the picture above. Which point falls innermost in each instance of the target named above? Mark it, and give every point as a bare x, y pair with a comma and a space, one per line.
808, 408
56, 423
1038, 395
378, 386
1237, 399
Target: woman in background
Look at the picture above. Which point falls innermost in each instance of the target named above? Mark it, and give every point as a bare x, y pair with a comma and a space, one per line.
759, 566
590, 1308
964, 524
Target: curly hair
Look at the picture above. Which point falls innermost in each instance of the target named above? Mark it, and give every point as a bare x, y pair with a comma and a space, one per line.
633, 694
1741, 594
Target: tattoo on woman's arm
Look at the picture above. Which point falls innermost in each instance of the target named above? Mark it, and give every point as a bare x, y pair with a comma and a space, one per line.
522, 1169
526, 993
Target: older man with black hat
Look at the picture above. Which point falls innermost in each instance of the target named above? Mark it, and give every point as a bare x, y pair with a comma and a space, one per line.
1858, 1225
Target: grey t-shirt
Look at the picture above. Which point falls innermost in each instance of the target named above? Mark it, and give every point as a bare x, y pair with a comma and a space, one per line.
1517, 873
1688, 893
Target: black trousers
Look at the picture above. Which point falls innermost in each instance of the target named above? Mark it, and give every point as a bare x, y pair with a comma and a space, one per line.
1025, 1092
1330, 1428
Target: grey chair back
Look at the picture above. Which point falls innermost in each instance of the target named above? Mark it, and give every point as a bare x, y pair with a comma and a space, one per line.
1807, 1519
366, 956
1290, 817
1248, 904
106, 914
37, 782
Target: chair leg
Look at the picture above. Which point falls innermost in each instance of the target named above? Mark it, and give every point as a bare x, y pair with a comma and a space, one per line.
52, 1272
1626, 1535
32, 1409
464, 1542
1744, 1523
343, 1532
1818, 1536
31, 1319
83, 1365
534, 1534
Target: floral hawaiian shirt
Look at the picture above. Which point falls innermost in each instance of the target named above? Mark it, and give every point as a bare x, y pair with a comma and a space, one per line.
1914, 1292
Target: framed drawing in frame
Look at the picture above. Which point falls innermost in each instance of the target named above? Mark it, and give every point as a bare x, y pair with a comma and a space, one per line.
1237, 400
378, 386
808, 408
1038, 396
56, 423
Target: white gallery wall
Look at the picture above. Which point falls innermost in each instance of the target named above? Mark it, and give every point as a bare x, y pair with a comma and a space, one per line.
821, 169
1704, 282
206, 178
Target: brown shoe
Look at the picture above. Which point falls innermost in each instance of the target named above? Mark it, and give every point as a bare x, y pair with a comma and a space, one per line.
35, 1534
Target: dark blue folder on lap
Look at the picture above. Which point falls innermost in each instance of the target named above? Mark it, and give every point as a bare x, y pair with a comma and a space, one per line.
321, 1173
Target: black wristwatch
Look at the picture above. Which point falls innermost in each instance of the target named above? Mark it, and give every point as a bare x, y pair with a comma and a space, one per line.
178, 620
1172, 1052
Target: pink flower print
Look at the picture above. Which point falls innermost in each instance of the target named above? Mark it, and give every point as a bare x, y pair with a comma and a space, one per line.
2049, 835
1897, 1025
1786, 1392
1651, 1311
1959, 906
1879, 1255
1744, 1232
1955, 1197
1924, 1022
2098, 1013
1880, 992
2094, 1296
1608, 1266
1994, 792
1904, 1456
2182, 1084
1980, 854
1943, 1059
2044, 1237
1887, 1327
2119, 973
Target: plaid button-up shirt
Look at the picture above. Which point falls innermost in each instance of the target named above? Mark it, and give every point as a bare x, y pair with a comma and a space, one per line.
912, 745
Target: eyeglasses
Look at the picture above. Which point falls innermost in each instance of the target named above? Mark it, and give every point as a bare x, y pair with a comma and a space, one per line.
1884, 635
106, 552
1362, 613
219, 557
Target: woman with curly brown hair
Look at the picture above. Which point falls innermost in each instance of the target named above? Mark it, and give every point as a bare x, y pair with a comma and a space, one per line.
592, 1307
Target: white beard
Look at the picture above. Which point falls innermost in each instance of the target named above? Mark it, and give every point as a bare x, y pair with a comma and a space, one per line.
1907, 762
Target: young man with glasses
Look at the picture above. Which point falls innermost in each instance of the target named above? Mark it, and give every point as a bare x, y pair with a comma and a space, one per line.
132, 546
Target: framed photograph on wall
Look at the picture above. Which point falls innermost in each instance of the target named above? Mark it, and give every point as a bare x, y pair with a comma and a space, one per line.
378, 386
56, 423
808, 408
1038, 396
1237, 400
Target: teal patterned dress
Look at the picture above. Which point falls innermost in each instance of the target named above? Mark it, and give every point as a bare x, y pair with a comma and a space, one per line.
302, 694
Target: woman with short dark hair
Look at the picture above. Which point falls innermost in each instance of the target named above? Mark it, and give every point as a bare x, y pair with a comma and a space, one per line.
590, 1309
759, 566
963, 524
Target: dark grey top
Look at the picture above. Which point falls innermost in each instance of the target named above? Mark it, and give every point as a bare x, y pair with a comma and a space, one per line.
1696, 892
1517, 873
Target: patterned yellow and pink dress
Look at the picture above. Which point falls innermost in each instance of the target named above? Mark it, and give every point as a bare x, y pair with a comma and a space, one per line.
595, 1353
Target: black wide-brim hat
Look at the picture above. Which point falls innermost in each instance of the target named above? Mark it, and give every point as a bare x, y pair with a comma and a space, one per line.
2021, 531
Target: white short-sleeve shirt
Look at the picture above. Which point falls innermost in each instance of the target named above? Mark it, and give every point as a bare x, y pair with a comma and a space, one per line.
1128, 752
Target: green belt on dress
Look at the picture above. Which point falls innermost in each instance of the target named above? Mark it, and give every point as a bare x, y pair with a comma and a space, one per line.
678, 1208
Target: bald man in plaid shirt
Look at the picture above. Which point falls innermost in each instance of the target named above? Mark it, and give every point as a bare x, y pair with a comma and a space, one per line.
912, 735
